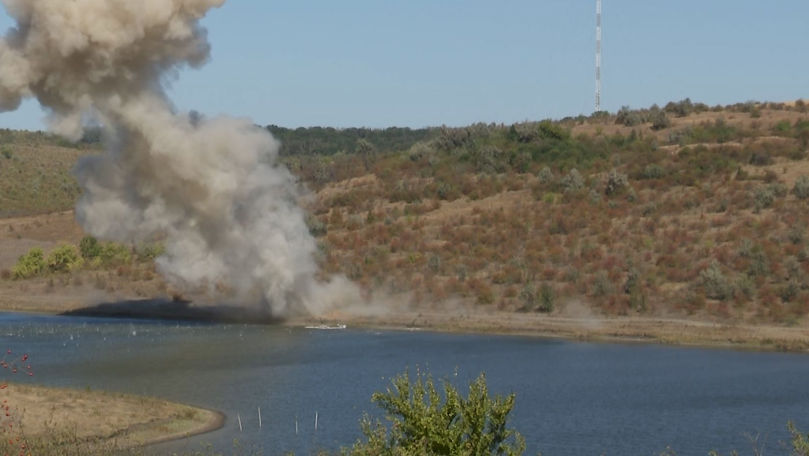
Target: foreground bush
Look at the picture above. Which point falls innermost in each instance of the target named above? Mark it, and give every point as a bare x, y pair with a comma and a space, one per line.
424, 423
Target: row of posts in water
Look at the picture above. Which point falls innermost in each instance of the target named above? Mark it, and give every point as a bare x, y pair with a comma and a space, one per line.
239, 419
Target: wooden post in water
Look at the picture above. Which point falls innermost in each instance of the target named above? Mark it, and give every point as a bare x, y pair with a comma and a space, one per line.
259, 417
315, 420
239, 417
296, 425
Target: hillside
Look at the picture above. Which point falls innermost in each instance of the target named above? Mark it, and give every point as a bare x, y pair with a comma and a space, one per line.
685, 210
35, 172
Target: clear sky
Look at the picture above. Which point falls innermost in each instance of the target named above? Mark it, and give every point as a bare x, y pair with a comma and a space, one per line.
379, 63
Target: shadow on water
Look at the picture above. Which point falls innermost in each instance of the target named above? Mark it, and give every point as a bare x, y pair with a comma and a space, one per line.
172, 309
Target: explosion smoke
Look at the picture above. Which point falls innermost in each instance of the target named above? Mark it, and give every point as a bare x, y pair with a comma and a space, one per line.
211, 188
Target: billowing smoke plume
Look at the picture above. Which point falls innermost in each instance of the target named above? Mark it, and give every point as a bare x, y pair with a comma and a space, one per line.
210, 188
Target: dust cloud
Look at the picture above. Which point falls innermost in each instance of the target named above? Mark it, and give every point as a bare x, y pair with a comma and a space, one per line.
211, 189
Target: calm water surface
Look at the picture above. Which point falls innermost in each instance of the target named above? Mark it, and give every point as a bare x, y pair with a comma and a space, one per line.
572, 398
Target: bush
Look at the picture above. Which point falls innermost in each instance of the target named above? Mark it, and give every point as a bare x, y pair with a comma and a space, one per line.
615, 182
573, 182
29, 265
659, 120
652, 171
628, 117
316, 227
800, 442
545, 176
763, 197
112, 253
89, 247
152, 250
715, 284
422, 424
546, 298
64, 258
801, 187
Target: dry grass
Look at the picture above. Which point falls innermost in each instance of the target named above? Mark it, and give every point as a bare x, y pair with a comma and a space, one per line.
98, 419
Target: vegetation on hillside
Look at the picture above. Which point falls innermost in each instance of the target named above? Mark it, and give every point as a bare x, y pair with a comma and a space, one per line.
682, 209
705, 216
35, 172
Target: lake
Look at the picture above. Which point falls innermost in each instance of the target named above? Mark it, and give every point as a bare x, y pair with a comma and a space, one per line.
573, 398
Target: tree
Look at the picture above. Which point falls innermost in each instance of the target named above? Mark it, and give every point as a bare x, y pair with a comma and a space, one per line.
659, 120
89, 247
800, 442
366, 151
424, 424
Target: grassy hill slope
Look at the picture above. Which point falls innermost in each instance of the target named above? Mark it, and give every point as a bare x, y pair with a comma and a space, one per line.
680, 210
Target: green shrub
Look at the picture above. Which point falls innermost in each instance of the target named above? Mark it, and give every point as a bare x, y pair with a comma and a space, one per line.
763, 197
112, 253
546, 298
652, 171
424, 424
782, 126
89, 247
29, 265
715, 284
615, 182
602, 286
800, 442
801, 187
659, 120
628, 117
316, 228
64, 258
545, 176
152, 250
573, 181
528, 296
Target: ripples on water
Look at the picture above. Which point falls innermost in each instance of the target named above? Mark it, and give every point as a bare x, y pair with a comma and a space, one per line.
572, 398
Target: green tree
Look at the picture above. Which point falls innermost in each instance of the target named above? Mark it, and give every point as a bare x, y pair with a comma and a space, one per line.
424, 424
800, 441
366, 151
659, 120
89, 247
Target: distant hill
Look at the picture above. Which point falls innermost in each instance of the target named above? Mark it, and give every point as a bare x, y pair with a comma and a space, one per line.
331, 141
677, 210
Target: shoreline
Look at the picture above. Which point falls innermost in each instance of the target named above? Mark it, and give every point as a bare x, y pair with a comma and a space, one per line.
215, 422
584, 327
643, 330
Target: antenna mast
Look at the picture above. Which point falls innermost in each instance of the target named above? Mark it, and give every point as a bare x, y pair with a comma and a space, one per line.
598, 55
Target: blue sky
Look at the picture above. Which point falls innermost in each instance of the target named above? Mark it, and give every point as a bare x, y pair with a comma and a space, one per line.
415, 63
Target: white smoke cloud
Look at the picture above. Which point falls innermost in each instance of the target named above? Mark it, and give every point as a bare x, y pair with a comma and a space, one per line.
212, 188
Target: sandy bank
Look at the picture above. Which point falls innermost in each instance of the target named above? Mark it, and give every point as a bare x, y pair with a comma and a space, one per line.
590, 328
81, 421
